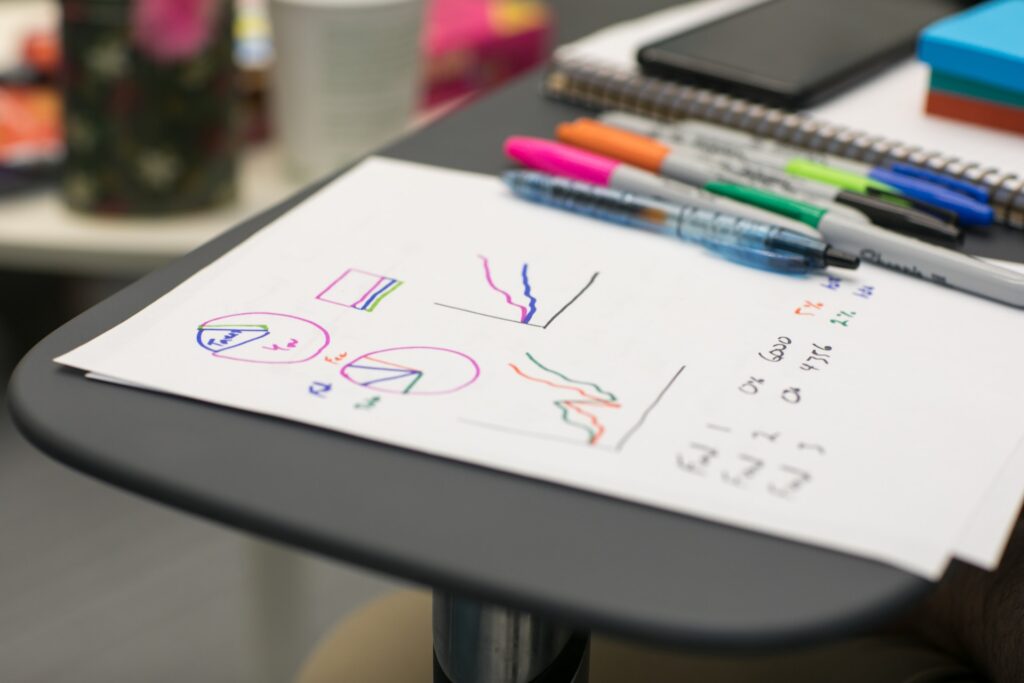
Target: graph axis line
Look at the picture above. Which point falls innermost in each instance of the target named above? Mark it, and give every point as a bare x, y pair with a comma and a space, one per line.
571, 301
647, 411
488, 315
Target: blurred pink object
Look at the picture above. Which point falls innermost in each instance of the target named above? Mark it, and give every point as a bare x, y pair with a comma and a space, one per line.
472, 45
173, 30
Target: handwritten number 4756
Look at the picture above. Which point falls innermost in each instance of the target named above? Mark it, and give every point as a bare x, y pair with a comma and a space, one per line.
818, 355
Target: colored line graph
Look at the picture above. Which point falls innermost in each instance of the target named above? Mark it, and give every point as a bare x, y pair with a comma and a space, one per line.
526, 291
521, 313
422, 370
525, 316
582, 407
359, 289
572, 409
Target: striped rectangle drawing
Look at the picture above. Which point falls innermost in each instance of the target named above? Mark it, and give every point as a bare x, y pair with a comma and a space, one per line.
359, 289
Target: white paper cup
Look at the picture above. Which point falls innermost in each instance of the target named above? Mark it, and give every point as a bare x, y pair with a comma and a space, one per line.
345, 78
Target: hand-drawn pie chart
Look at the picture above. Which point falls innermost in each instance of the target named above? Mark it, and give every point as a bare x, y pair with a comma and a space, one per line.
262, 337
422, 370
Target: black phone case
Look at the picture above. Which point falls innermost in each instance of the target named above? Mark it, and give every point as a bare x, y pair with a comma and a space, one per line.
659, 62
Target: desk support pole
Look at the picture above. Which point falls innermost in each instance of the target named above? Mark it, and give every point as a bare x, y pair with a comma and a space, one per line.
476, 643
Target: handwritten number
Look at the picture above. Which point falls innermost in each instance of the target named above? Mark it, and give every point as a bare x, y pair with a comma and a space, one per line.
753, 466
795, 481
699, 467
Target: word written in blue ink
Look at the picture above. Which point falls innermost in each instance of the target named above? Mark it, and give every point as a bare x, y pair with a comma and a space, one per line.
319, 389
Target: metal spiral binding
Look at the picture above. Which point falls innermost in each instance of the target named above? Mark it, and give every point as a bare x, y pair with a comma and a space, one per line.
597, 87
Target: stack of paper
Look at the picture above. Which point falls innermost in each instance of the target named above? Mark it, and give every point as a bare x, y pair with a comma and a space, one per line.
868, 412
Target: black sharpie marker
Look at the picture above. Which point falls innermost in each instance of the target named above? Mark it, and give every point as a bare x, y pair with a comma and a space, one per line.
891, 250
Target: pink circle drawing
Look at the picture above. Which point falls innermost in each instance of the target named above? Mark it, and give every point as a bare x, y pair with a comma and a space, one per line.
261, 337
424, 370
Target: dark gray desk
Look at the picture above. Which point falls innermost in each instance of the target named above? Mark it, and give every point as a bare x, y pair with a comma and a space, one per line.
565, 555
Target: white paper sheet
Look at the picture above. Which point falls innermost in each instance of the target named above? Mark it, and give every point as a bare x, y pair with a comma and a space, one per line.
431, 309
891, 104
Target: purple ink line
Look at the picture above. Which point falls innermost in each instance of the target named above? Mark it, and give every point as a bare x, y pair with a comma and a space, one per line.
368, 292
336, 281
410, 373
508, 297
377, 368
380, 291
526, 290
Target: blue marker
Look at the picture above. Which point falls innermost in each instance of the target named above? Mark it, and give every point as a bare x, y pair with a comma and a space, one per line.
742, 240
969, 210
949, 182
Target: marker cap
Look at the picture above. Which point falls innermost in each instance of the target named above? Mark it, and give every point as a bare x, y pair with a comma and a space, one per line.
801, 211
626, 146
563, 160
907, 220
835, 177
969, 210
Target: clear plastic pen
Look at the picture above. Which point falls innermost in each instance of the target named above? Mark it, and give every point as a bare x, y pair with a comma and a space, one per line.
739, 239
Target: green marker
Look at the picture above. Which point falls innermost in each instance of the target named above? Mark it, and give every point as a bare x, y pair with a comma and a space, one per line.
853, 182
889, 249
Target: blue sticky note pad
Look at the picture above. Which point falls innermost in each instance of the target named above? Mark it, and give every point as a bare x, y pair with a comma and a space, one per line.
984, 43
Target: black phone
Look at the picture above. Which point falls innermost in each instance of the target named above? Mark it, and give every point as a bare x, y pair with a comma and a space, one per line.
794, 53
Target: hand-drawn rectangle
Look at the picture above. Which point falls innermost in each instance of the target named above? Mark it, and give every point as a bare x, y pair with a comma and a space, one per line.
359, 289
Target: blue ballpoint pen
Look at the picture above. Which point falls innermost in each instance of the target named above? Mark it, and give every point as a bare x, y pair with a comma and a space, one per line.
745, 241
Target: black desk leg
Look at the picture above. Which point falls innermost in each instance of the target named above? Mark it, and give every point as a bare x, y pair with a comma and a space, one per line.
480, 643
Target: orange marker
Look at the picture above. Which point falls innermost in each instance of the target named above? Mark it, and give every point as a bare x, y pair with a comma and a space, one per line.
641, 151
636, 150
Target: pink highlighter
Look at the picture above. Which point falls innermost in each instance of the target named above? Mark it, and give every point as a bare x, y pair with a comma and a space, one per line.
563, 160
567, 161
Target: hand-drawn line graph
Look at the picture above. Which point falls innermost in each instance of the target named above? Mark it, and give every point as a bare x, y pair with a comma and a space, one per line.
584, 413
359, 289
579, 412
523, 313
422, 370
261, 337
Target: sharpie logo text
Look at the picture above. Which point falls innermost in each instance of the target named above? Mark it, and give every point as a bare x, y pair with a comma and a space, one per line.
872, 256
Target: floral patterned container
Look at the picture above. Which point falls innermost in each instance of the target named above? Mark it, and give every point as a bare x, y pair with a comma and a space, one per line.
149, 88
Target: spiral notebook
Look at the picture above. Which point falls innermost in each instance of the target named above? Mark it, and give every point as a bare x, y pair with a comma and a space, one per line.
600, 72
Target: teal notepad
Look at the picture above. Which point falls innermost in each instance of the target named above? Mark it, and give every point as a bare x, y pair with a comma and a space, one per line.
966, 87
984, 44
